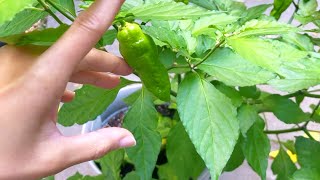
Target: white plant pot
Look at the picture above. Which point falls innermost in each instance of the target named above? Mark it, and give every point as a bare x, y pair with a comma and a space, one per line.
114, 108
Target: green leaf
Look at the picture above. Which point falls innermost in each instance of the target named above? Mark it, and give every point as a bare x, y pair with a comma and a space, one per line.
183, 157
108, 37
167, 57
307, 7
279, 6
190, 41
204, 43
79, 176
233, 70
308, 152
256, 148
111, 163
166, 171
210, 120
21, 22
66, 5
129, 4
168, 11
8, 8
247, 116
307, 174
282, 166
214, 20
269, 54
303, 19
231, 93
315, 41
141, 120
48, 178
285, 109
132, 176
164, 126
89, 102
234, 7
161, 31
290, 146
250, 92
264, 27
45, 37
254, 12
301, 41
236, 158
298, 75
207, 4
291, 85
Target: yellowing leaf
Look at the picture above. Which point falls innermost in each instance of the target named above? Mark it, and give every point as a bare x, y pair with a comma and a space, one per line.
315, 135
293, 157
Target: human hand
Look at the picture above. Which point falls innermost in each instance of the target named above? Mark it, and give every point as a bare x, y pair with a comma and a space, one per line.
32, 84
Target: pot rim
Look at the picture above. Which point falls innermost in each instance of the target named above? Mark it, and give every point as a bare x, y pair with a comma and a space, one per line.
117, 105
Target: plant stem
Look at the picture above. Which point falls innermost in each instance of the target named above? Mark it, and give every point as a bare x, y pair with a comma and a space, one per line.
60, 10
307, 94
314, 131
173, 93
302, 128
209, 54
312, 95
282, 131
179, 78
316, 90
313, 112
178, 67
297, 9
307, 133
46, 8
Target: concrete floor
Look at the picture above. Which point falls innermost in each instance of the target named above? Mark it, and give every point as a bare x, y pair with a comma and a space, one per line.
242, 173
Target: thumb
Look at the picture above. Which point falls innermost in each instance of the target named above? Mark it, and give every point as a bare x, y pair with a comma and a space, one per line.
96, 144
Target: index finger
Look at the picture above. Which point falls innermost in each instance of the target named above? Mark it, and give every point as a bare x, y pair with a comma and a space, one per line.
60, 60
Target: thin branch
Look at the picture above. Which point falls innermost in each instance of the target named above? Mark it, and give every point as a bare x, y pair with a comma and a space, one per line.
313, 131
307, 94
173, 93
307, 133
311, 95
46, 8
210, 53
296, 10
316, 90
178, 67
314, 111
282, 131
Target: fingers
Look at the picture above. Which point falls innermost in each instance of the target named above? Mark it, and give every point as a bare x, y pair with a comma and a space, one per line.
96, 144
62, 58
68, 96
103, 80
102, 61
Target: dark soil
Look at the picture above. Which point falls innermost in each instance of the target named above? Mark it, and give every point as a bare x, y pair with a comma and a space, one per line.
117, 120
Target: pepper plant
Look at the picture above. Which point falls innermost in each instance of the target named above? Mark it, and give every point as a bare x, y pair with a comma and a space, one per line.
218, 54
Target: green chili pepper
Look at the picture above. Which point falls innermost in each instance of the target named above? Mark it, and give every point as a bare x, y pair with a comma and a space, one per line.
141, 53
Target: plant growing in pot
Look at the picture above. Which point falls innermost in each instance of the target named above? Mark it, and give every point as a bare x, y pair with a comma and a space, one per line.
216, 54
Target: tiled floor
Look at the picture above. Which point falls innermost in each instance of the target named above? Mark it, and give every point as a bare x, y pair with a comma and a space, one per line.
242, 173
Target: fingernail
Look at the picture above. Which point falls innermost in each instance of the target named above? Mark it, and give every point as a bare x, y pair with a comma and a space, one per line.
127, 141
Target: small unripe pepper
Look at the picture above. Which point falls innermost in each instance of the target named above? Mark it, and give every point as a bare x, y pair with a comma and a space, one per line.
141, 53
